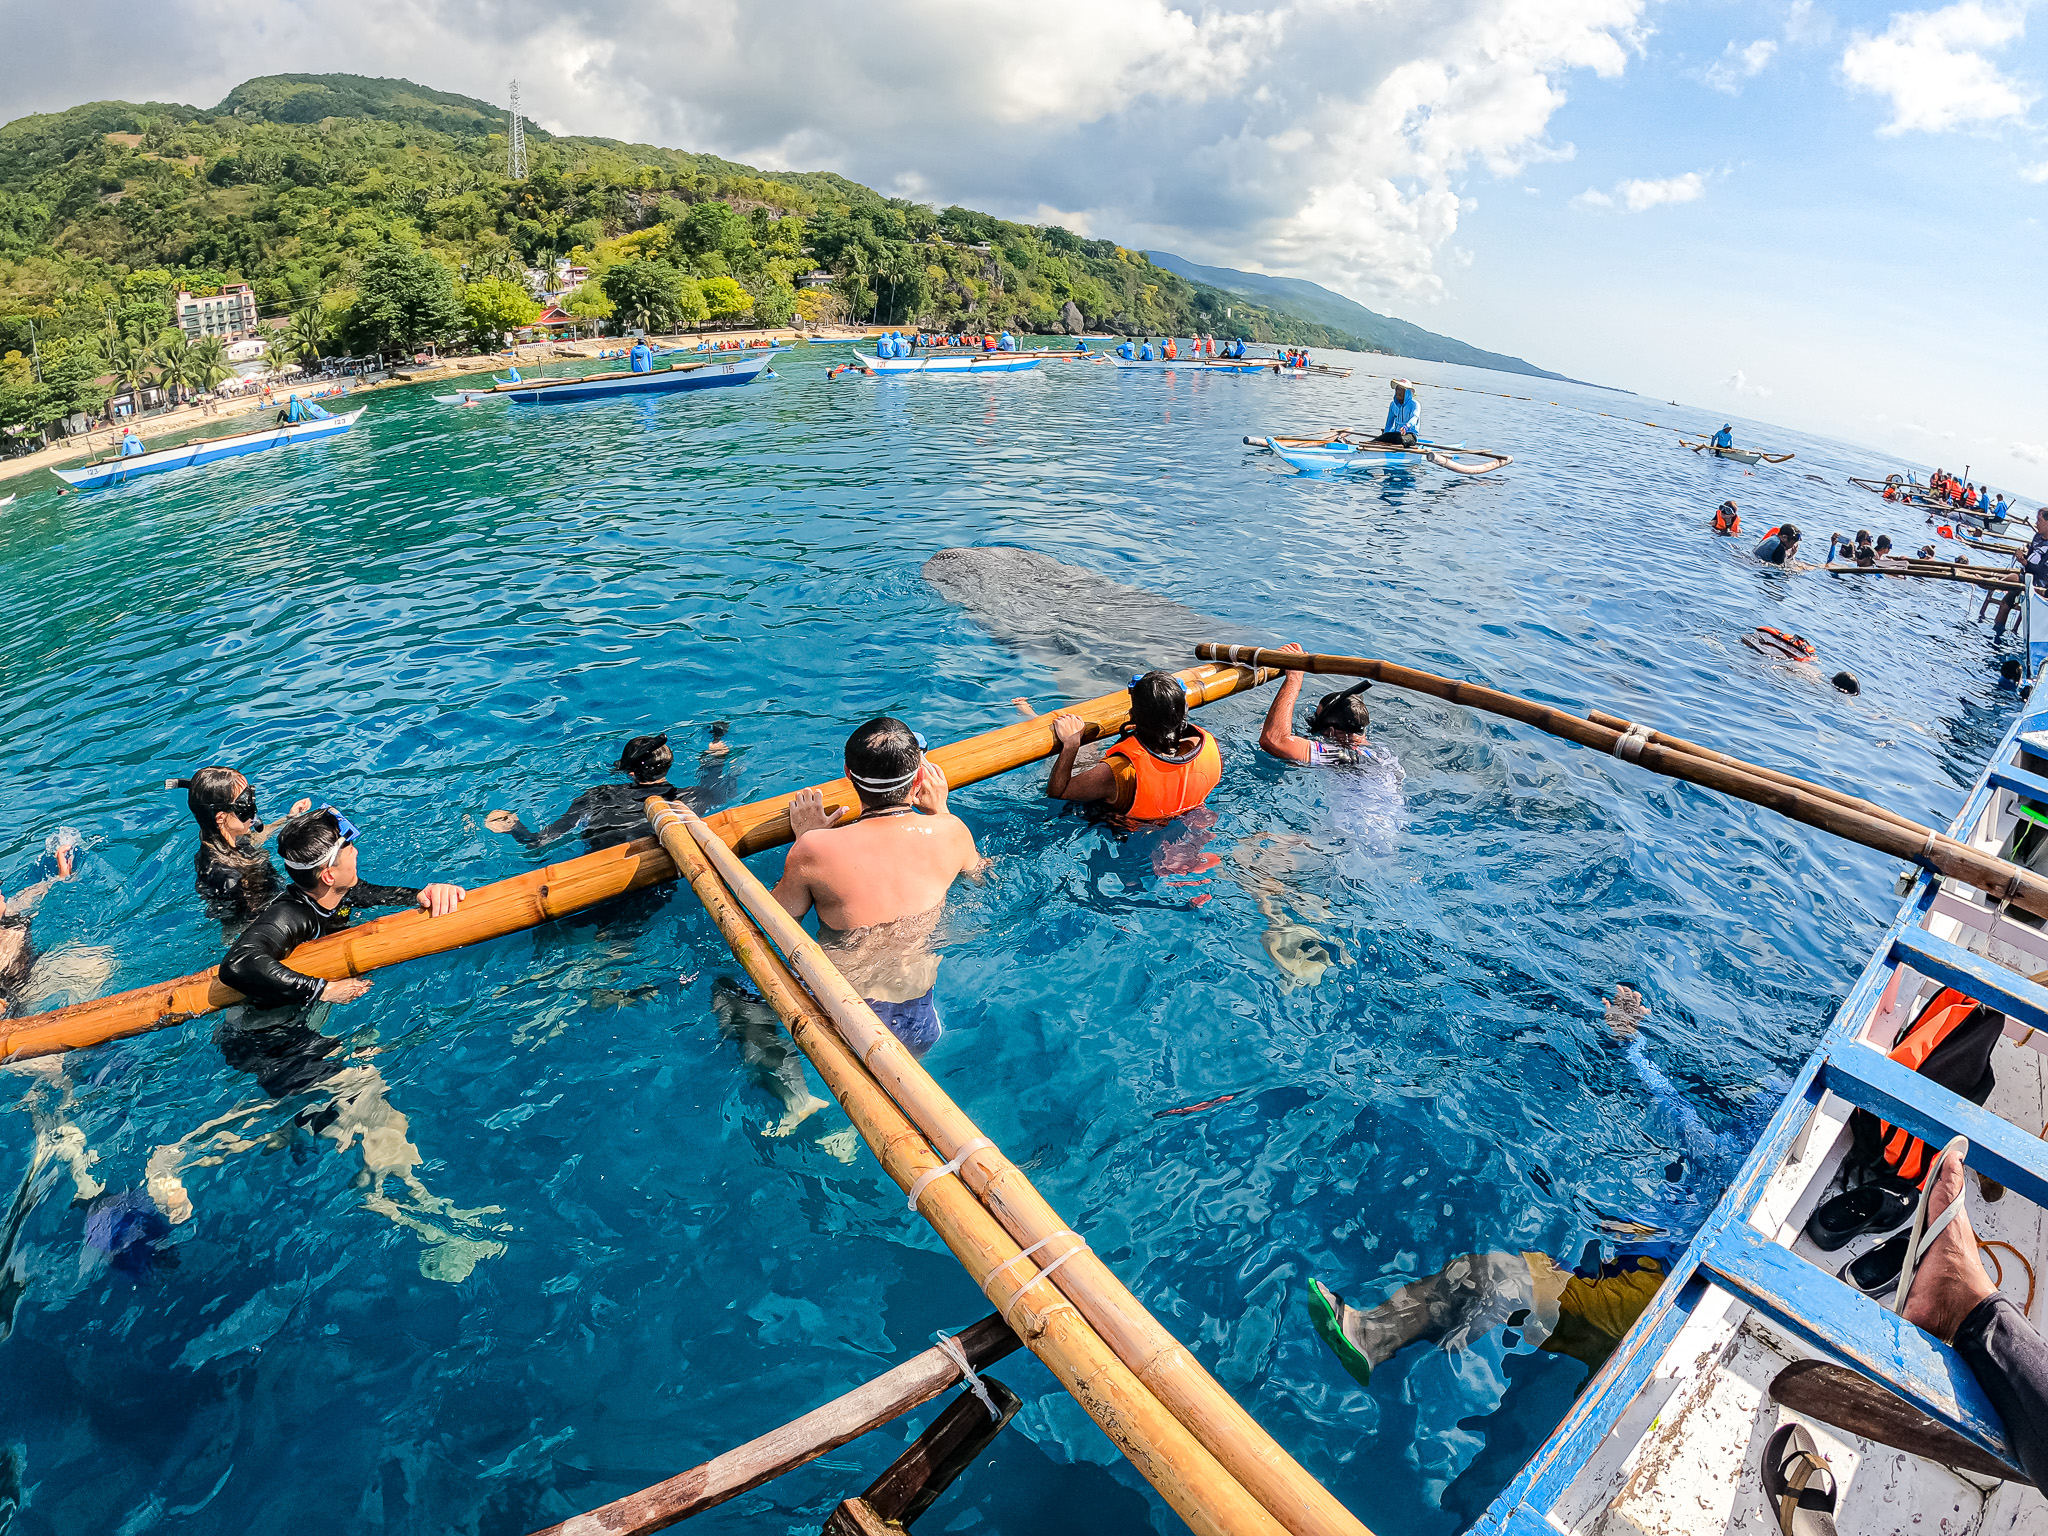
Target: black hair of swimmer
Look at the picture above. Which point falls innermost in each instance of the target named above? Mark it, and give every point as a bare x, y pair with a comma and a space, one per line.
308, 841
1159, 709
1788, 534
884, 751
209, 792
1846, 682
2010, 670
1344, 712
646, 758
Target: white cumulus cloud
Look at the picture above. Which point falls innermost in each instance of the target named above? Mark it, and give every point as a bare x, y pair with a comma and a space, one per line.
1639, 195
1932, 66
1739, 64
2031, 453
1739, 382
1333, 139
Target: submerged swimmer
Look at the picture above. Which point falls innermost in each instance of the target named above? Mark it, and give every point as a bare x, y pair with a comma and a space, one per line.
1777, 642
1778, 546
232, 873
610, 814
1581, 1311
17, 951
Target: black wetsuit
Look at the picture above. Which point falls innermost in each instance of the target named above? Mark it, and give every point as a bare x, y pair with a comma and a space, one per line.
16, 972
267, 1036
235, 883
610, 814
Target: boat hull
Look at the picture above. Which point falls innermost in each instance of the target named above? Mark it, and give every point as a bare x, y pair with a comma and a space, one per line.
962, 362
190, 455
728, 373
1197, 365
1342, 458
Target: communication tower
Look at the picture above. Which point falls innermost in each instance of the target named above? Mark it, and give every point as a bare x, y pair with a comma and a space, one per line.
516, 160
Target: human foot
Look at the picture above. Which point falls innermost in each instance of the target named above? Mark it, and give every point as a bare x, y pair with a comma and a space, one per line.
795, 1114
1949, 1281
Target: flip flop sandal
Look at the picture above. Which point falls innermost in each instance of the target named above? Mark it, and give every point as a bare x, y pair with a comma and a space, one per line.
1925, 1232
1792, 1467
1882, 1206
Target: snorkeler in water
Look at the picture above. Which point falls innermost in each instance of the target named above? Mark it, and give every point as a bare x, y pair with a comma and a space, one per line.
17, 950
233, 874
1580, 1311
610, 814
1162, 767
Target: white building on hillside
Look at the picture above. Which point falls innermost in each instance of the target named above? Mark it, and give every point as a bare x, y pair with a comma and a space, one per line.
229, 314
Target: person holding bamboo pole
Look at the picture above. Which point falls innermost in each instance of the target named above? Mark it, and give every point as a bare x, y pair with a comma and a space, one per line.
879, 884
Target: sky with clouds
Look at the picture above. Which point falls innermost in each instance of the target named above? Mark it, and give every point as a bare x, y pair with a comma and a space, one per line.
1797, 211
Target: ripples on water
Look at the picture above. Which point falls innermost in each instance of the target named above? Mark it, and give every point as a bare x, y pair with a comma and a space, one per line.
450, 610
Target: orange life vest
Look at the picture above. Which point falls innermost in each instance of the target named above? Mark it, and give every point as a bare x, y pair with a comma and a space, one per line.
1163, 786
1798, 645
1172, 349
1726, 521
1904, 1153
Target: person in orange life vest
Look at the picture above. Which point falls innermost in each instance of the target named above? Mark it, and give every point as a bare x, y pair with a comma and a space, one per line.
1171, 350
1727, 519
1776, 642
1162, 767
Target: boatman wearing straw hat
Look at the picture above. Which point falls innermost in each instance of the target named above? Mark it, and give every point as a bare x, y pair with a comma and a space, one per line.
1402, 416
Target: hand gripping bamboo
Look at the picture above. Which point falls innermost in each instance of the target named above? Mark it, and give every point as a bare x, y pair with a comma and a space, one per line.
1187, 1476
1829, 810
1281, 1484
525, 901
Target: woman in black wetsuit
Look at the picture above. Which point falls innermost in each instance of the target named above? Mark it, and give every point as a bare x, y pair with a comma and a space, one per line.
233, 874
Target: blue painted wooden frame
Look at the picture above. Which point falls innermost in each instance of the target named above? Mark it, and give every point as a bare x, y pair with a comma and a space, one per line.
1974, 976
2020, 781
1521, 1508
1873, 1081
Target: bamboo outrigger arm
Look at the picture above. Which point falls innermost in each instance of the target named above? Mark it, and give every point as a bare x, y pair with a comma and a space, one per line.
1937, 570
1829, 810
1015, 1278
538, 896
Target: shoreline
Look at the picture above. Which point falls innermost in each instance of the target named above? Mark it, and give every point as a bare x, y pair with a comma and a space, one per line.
69, 452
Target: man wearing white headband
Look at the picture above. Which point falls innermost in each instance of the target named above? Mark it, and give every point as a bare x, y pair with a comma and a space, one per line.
879, 884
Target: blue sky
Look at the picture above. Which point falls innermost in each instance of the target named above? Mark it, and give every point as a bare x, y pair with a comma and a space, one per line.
1814, 213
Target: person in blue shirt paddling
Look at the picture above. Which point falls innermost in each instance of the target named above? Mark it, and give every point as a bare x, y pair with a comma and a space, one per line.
1081, 344
1402, 416
1725, 438
131, 444
1145, 352
641, 358
1006, 342
1126, 351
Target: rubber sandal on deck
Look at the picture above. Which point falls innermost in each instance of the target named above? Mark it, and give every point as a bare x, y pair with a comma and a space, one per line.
1883, 1205
1792, 1467
1924, 1231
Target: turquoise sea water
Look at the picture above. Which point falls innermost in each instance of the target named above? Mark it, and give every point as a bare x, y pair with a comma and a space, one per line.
607, 1272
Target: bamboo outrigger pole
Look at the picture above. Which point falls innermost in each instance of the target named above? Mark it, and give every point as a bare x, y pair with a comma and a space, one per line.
538, 896
1163, 1451
1937, 570
1159, 1361
1826, 809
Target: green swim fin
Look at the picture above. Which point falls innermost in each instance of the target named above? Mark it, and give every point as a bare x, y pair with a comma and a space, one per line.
1327, 1311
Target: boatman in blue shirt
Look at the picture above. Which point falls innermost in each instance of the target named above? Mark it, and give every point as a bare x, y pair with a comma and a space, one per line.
1006, 343
1402, 416
1145, 352
641, 357
1125, 351
1725, 438
131, 445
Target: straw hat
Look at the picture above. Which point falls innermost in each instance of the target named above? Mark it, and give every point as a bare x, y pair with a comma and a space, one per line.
1400, 384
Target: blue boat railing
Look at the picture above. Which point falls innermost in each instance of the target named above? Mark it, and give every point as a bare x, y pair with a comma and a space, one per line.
1732, 1254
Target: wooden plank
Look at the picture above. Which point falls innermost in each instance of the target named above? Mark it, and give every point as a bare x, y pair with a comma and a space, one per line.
1863, 1335
854, 1518
1973, 975
889, 1396
1991, 924
2021, 782
1871, 1080
913, 1481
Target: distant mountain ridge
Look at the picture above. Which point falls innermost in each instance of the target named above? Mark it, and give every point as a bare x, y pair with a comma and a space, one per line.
1311, 301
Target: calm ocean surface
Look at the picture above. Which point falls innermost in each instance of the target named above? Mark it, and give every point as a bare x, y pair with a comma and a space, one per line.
607, 1272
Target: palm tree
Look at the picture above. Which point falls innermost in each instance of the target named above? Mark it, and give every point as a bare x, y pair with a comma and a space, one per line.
210, 362
130, 367
303, 338
175, 361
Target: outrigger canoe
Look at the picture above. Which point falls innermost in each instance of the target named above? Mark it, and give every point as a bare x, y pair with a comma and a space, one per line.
1196, 365
1739, 455
119, 471
720, 370
1344, 451
949, 362
1753, 1327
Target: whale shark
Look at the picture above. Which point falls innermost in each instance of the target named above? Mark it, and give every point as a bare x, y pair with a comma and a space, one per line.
1090, 632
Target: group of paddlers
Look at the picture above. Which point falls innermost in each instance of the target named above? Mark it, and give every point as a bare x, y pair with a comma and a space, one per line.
1170, 350
1951, 492
956, 341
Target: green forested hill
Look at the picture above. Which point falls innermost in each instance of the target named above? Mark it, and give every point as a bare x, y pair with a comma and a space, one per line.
378, 215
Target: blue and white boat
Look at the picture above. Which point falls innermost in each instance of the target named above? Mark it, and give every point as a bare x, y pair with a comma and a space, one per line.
723, 370
1753, 1328
949, 362
1340, 455
119, 471
1195, 364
